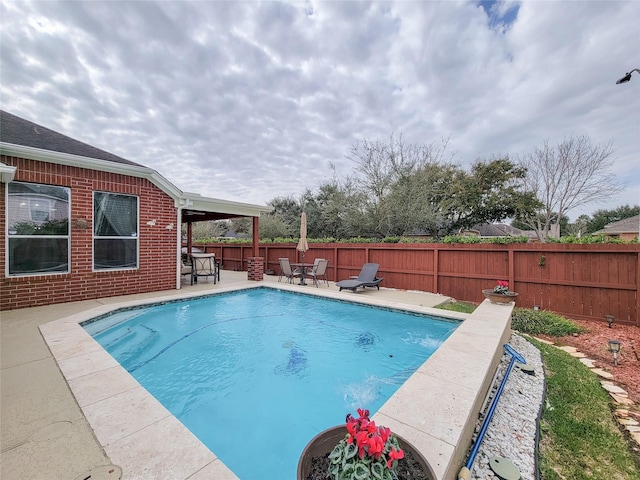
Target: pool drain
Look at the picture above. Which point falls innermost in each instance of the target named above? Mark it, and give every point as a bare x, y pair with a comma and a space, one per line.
103, 472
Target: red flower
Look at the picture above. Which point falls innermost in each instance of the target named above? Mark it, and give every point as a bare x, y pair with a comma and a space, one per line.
384, 433
362, 440
363, 413
376, 446
352, 427
394, 455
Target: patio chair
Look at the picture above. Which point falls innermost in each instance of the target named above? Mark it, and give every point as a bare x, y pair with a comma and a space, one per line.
205, 265
285, 270
366, 278
319, 271
186, 268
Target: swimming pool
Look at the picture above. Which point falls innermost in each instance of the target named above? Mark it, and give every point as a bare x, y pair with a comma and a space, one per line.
264, 371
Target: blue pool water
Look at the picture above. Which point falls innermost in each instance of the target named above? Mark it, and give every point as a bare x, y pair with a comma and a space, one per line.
255, 374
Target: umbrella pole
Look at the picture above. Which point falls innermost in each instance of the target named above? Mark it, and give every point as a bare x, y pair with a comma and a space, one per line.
302, 282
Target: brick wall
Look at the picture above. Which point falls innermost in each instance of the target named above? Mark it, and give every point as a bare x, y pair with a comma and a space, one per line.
157, 265
255, 269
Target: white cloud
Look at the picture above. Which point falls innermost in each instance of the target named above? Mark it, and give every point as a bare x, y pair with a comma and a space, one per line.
215, 94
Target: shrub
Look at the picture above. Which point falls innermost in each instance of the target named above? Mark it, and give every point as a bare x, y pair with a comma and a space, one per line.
536, 322
461, 239
391, 240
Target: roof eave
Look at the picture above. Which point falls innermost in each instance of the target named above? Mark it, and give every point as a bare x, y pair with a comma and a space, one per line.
150, 174
192, 201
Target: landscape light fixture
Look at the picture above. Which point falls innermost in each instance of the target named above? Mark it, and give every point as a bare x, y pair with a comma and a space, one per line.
609, 319
627, 77
614, 347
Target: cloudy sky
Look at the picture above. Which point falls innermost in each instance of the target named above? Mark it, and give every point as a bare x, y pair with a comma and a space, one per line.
216, 94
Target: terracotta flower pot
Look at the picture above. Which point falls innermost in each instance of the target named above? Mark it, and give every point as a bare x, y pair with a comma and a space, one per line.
500, 298
324, 442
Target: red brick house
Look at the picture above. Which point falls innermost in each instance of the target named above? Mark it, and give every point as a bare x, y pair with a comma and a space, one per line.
80, 223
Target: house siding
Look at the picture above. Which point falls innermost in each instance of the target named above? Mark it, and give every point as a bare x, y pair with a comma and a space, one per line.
157, 244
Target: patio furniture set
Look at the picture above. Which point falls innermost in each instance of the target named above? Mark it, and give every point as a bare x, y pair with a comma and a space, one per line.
318, 271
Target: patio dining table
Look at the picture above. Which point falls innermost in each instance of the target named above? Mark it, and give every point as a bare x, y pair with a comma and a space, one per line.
303, 269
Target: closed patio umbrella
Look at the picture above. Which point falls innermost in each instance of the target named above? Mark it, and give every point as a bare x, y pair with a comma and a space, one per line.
303, 246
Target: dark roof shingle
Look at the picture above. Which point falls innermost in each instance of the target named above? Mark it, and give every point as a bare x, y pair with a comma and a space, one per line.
18, 131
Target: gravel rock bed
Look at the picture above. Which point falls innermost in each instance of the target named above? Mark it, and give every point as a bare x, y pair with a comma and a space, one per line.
511, 433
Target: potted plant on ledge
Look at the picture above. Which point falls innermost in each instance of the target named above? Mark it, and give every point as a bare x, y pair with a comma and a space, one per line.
361, 450
500, 293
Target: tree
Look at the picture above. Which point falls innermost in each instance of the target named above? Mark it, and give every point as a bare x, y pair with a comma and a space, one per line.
272, 226
444, 199
579, 227
571, 174
379, 166
206, 230
493, 191
413, 205
288, 209
337, 210
242, 226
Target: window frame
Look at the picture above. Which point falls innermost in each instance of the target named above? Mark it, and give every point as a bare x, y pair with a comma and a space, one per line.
9, 222
95, 237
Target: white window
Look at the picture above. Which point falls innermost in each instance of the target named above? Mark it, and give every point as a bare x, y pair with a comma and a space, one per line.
115, 231
37, 229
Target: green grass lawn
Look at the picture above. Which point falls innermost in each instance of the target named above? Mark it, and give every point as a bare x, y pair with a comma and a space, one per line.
579, 437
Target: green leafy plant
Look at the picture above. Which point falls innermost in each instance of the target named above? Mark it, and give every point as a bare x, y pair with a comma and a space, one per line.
590, 239
502, 287
366, 452
391, 240
473, 239
466, 239
535, 322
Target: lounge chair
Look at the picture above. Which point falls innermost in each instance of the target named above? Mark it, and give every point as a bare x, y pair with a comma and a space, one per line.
366, 278
319, 271
205, 265
285, 270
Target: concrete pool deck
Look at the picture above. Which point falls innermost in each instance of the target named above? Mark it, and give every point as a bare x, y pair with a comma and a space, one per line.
69, 410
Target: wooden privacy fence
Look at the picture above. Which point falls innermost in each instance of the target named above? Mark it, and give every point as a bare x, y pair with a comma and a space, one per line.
578, 281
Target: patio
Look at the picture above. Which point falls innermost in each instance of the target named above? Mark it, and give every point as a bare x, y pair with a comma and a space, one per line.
46, 434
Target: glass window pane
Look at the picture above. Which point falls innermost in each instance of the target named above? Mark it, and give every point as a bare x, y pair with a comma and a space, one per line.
115, 228
37, 228
34, 209
115, 253
38, 255
115, 215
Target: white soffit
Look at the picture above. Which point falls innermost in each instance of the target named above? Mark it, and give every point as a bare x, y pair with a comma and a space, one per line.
194, 201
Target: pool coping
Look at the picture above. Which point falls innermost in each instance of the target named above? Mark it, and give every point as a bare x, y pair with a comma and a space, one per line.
436, 409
